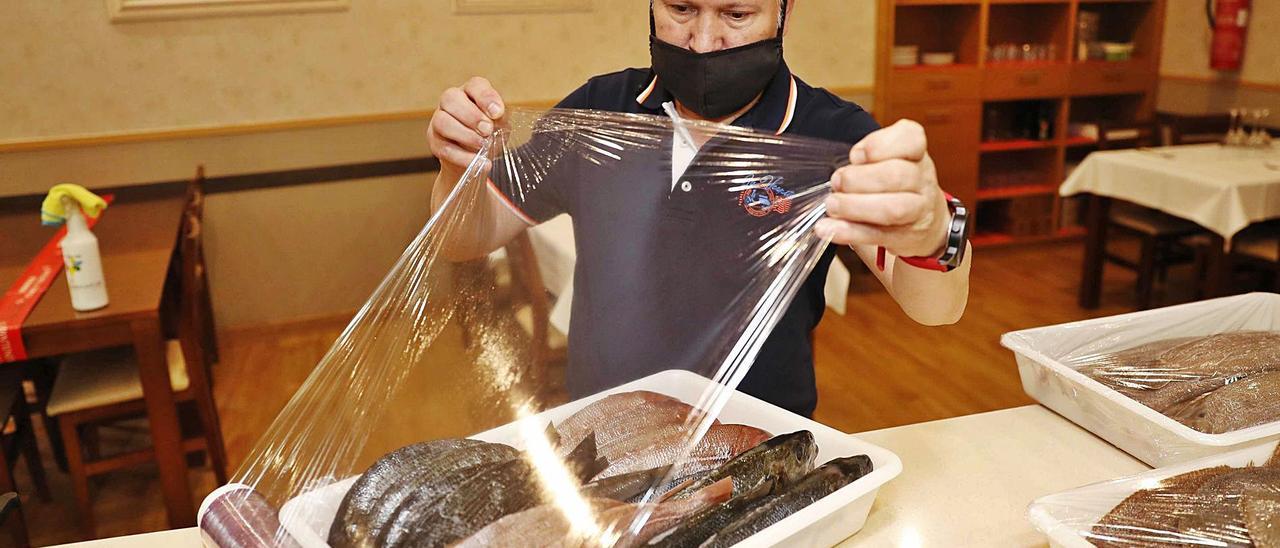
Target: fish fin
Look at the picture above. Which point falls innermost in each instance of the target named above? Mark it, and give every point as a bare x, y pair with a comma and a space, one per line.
759, 490
717, 492
584, 460
553, 435
677, 489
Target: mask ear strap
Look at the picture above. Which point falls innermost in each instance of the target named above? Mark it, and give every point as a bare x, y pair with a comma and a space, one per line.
653, 29
782, 18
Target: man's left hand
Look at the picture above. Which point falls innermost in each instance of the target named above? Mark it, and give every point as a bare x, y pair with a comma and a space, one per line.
888, 195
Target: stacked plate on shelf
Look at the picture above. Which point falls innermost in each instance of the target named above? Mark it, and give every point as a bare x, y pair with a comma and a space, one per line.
906, 56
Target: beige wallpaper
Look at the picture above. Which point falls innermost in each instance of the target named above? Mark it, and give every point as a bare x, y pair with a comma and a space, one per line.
1187, 36
66, 70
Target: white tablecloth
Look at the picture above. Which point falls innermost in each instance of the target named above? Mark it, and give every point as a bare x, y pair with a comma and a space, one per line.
553, 244
1223, 189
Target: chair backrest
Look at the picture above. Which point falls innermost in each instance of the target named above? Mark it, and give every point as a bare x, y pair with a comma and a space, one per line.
527, 279
1147, 135
191, 291
195, 193
1186, 129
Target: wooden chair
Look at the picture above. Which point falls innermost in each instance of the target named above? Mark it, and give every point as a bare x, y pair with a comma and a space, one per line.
533, 312
11, 518
95, 388
18, 439
1159, 234
1190, 129
1256, 247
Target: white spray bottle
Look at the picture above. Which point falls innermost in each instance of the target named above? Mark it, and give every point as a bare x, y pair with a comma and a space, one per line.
82, 261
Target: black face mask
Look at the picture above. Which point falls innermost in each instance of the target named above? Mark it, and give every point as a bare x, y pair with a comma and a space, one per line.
718, 83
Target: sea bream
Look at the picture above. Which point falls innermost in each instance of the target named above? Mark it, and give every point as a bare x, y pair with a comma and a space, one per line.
622, 416
549, 525
721, 443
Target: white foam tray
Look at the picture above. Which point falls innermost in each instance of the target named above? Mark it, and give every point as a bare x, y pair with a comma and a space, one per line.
1133, 427
824, 523
1066, 517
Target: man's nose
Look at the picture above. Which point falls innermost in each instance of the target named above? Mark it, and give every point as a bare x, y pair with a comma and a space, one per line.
706, 36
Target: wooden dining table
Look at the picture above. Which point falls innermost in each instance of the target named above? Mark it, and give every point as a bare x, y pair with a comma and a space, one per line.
136, 235
1223, 189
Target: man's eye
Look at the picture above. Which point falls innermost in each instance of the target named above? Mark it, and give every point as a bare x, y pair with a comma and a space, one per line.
681, 9
738, 15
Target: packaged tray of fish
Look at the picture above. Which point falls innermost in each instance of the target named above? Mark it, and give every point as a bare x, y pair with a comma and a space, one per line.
1229, 499
1167, 385
309, 517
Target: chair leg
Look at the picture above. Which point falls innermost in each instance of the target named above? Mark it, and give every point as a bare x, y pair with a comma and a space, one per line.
17, 525
1146, 272
212, 431
79, 478
91, 441
31, 451
51, 428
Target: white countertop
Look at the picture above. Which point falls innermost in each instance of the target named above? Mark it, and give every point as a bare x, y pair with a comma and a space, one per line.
966, 481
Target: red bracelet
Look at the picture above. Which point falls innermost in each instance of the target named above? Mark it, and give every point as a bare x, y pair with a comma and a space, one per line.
927, 263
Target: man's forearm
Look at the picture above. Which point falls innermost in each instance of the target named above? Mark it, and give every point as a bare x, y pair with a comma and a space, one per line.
927, 296
477, 222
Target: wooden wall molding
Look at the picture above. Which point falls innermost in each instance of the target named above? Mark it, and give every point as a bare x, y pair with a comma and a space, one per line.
150, 135
1221, 80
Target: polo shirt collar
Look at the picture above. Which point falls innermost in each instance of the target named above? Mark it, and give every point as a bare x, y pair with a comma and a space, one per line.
774, 111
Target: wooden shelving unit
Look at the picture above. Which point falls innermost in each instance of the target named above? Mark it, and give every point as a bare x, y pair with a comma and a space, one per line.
999, 131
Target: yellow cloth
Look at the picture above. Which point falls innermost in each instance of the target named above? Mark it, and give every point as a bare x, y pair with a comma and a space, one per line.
51, 211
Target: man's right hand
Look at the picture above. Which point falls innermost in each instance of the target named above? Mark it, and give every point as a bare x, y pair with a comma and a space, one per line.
466, 116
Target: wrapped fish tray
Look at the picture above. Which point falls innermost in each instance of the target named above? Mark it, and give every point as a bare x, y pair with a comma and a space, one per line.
1067, 518
1043, 355
823, 523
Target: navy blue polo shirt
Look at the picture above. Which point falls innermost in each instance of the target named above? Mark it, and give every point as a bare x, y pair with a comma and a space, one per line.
661, 269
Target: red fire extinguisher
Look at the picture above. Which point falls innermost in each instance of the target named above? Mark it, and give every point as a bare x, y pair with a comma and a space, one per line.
1229, 22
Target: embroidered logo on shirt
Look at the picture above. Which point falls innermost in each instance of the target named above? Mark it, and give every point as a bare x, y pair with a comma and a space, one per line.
766, 197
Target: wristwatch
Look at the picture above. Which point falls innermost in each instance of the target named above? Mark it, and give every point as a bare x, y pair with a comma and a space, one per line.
952, 252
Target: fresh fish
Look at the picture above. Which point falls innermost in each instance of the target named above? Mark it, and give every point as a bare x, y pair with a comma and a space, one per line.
372, 500
584, 460
625, 486
823, 481
663, 516
1247, 402
693, 531
549, 524
1214, 513
543, 525
721, 443
1151, 516
489, 494
1262, 518
621, 416
786, 457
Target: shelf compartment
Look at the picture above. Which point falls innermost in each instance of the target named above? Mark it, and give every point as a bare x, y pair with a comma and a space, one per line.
939, 28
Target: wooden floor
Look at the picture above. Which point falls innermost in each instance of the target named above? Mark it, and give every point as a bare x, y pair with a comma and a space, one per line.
875, 369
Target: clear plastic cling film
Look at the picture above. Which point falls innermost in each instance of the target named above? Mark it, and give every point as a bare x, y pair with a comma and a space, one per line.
1232, 499
452, 411
1212, 367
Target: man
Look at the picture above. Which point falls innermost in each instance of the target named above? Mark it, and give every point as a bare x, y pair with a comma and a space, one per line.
644, 282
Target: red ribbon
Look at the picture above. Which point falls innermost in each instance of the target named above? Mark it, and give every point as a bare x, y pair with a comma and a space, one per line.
21, 297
